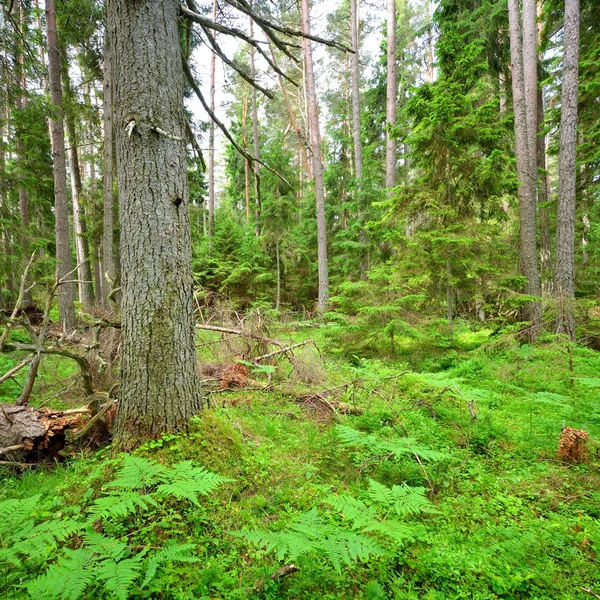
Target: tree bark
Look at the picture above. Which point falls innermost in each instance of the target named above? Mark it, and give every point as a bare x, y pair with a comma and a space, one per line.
530, 69
108, 242
315, 137
390, 146
211, 139
278, 292
564, 278
160, 386
526, 173
65, 294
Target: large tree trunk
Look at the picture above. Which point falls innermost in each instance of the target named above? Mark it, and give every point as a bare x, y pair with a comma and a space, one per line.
108, 243
315, 138
82, 246
564, 280
526, 172
390, 146
65, 294
160, 387
211, 140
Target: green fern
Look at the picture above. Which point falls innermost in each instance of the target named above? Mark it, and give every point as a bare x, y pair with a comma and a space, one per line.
119, 576
170, 553
101, 561
67, 579
349, 436
402, 499
185, 481
311, 534
138, 473
15, 512
120, 505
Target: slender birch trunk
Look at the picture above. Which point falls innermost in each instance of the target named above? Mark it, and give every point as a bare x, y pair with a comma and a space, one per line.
211, 138
255, 140
315, 137
390, 146
82, 248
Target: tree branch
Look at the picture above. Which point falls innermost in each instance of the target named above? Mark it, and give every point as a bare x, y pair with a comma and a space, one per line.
222, 127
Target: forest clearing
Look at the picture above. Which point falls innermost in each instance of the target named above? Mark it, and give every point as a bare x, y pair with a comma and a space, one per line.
299, 301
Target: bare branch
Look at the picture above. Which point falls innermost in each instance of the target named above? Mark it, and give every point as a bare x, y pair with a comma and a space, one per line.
217, 50
222, 127
210, 24
264, 24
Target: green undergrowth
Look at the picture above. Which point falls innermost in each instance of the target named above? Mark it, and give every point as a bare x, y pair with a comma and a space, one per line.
447, 485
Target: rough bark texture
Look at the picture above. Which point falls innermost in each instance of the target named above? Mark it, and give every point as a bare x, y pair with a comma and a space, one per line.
61, 211
108, 249
315, 138
160, 387
390, 146
530, 64
564, 279
211, 140
526, 172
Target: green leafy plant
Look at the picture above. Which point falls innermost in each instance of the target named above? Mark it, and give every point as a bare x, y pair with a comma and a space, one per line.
77, 554
359, 530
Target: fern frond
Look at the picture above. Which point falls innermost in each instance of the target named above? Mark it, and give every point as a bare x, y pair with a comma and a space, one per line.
345, 547
103, 546
138, 473
170, 553
397, 531
118, 576
348, 506
184, 481
67, 579
119, 505
43, 538
14, 512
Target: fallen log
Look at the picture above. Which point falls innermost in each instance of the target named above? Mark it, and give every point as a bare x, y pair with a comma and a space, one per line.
32, 435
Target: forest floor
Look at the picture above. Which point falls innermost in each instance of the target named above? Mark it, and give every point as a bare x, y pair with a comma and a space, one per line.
468, 419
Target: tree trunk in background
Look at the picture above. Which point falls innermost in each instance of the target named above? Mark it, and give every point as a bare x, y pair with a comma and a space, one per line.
530, 72
390, 146
564, 279
356, 129
211, 140
255, 135
543, 198
64, 263
301, 138
20, 103
526, 172
315, 138
278, 259
82, 246
160, 386
108, 242
246, 161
